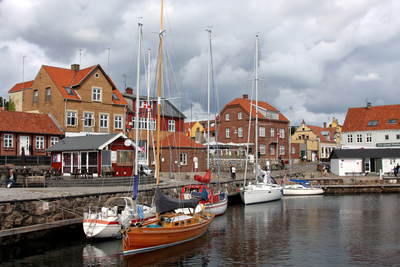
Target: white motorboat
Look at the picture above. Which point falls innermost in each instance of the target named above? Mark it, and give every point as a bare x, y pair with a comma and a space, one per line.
301, 188
108, 222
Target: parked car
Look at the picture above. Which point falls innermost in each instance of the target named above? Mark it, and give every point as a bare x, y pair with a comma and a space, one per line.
146, 171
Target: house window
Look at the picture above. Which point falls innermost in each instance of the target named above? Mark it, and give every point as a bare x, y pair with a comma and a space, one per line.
293, 150
359, 138
272, 149
240, 132
372, 123
96, 94
282, 133
281, 150
369, 138
261, 131
35, 96
89, 119
272, 132
183, 159
144, 104
262, 149
386, 137
53, 141
8, 140
392, 121
227, 117
103, 120
398, 136
48, 92
39, 142
71, 118
350, 138
240, 115
227, 133
125, 157
114, 96
118, 122
171, 126
69, 90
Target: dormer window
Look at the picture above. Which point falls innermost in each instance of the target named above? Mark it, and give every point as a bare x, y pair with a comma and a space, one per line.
114, 96
392, 121
69, 91
372, 123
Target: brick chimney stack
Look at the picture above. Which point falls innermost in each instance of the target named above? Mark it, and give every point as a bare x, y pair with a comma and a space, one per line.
246, 96
368, 105
75, 67
324, 124
129, 90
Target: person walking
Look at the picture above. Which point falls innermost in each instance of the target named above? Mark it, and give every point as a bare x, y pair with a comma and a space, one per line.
11, 179
397, 170
325, 170
233, 170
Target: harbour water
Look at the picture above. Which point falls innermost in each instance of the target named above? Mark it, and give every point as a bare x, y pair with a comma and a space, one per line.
355, 230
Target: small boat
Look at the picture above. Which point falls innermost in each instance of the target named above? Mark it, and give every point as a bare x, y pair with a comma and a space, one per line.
107, 223
301, 188
214, 203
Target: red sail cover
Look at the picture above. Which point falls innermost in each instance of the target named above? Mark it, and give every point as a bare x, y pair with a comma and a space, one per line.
206, 179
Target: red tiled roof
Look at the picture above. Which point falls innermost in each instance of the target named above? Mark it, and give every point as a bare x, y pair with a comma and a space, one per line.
21, 122
317, 130
21, 86
179, 140
357, 118
246, 104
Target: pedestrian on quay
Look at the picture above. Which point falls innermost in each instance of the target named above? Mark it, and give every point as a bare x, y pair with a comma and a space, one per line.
11, 179
325, 170
397, 169
233, 172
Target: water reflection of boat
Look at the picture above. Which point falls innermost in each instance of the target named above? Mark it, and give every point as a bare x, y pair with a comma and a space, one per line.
103, 253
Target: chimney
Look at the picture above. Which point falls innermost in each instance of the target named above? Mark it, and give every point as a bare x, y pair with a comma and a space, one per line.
246, 96
324, 124
75, 67
368, 105
129, 90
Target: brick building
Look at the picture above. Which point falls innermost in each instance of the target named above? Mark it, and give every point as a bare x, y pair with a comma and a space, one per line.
273, 128
81, 101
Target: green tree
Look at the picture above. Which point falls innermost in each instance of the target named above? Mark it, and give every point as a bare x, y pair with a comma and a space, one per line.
11, 105
5, 103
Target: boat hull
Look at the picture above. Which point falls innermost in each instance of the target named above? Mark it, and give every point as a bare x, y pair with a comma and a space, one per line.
260, 193
302, 191
217, 208
141, 239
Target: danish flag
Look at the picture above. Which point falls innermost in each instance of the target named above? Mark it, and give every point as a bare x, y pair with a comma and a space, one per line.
188, 133
145, 105
279, 136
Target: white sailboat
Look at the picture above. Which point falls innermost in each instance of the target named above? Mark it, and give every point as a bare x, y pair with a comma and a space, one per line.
265, 190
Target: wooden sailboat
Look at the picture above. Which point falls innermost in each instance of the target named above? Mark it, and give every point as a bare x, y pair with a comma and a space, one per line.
265, 190
169, 228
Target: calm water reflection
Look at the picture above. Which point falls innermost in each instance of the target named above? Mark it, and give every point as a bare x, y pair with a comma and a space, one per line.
359, 230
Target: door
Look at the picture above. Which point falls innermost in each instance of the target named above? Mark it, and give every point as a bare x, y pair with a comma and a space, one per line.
24, 143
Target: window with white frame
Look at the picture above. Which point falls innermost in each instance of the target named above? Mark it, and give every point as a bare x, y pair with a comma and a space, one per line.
369, 138
144, 123
281, 150
261, 131
96, 94
171, 126
8, 140
262, 149
118, 121
240, 132
103, 120
39, 142
53, 141
35, 95
350, 138
227, 117
88, 119
272, 149
227, 133
272, 132
282, 133
386, 137
183, 159
144, 104
398, 136
240, 115
48, 94
359, 138
71, 118
293, 150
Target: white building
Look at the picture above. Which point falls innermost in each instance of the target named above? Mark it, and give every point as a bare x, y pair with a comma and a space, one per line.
372, 127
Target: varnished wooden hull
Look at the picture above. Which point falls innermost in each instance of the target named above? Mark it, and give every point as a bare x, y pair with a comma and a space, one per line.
140, 239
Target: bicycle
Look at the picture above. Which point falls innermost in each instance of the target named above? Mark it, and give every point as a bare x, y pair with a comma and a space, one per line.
391, 173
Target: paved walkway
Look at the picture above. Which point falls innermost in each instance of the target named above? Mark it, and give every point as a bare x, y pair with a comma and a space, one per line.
13, 193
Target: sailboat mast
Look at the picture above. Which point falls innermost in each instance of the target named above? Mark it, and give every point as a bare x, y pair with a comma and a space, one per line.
208, 98
159, 98
137, 99
256, 125
148, 112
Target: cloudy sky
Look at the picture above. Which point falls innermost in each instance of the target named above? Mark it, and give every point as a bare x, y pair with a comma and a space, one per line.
317, 57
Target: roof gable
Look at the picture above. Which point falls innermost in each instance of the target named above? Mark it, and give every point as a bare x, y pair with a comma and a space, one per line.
179, 140
22, 122
21, 86
357, 119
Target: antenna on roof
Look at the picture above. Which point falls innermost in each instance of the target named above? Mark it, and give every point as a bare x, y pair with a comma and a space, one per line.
125, 78
366, 99
80, 56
